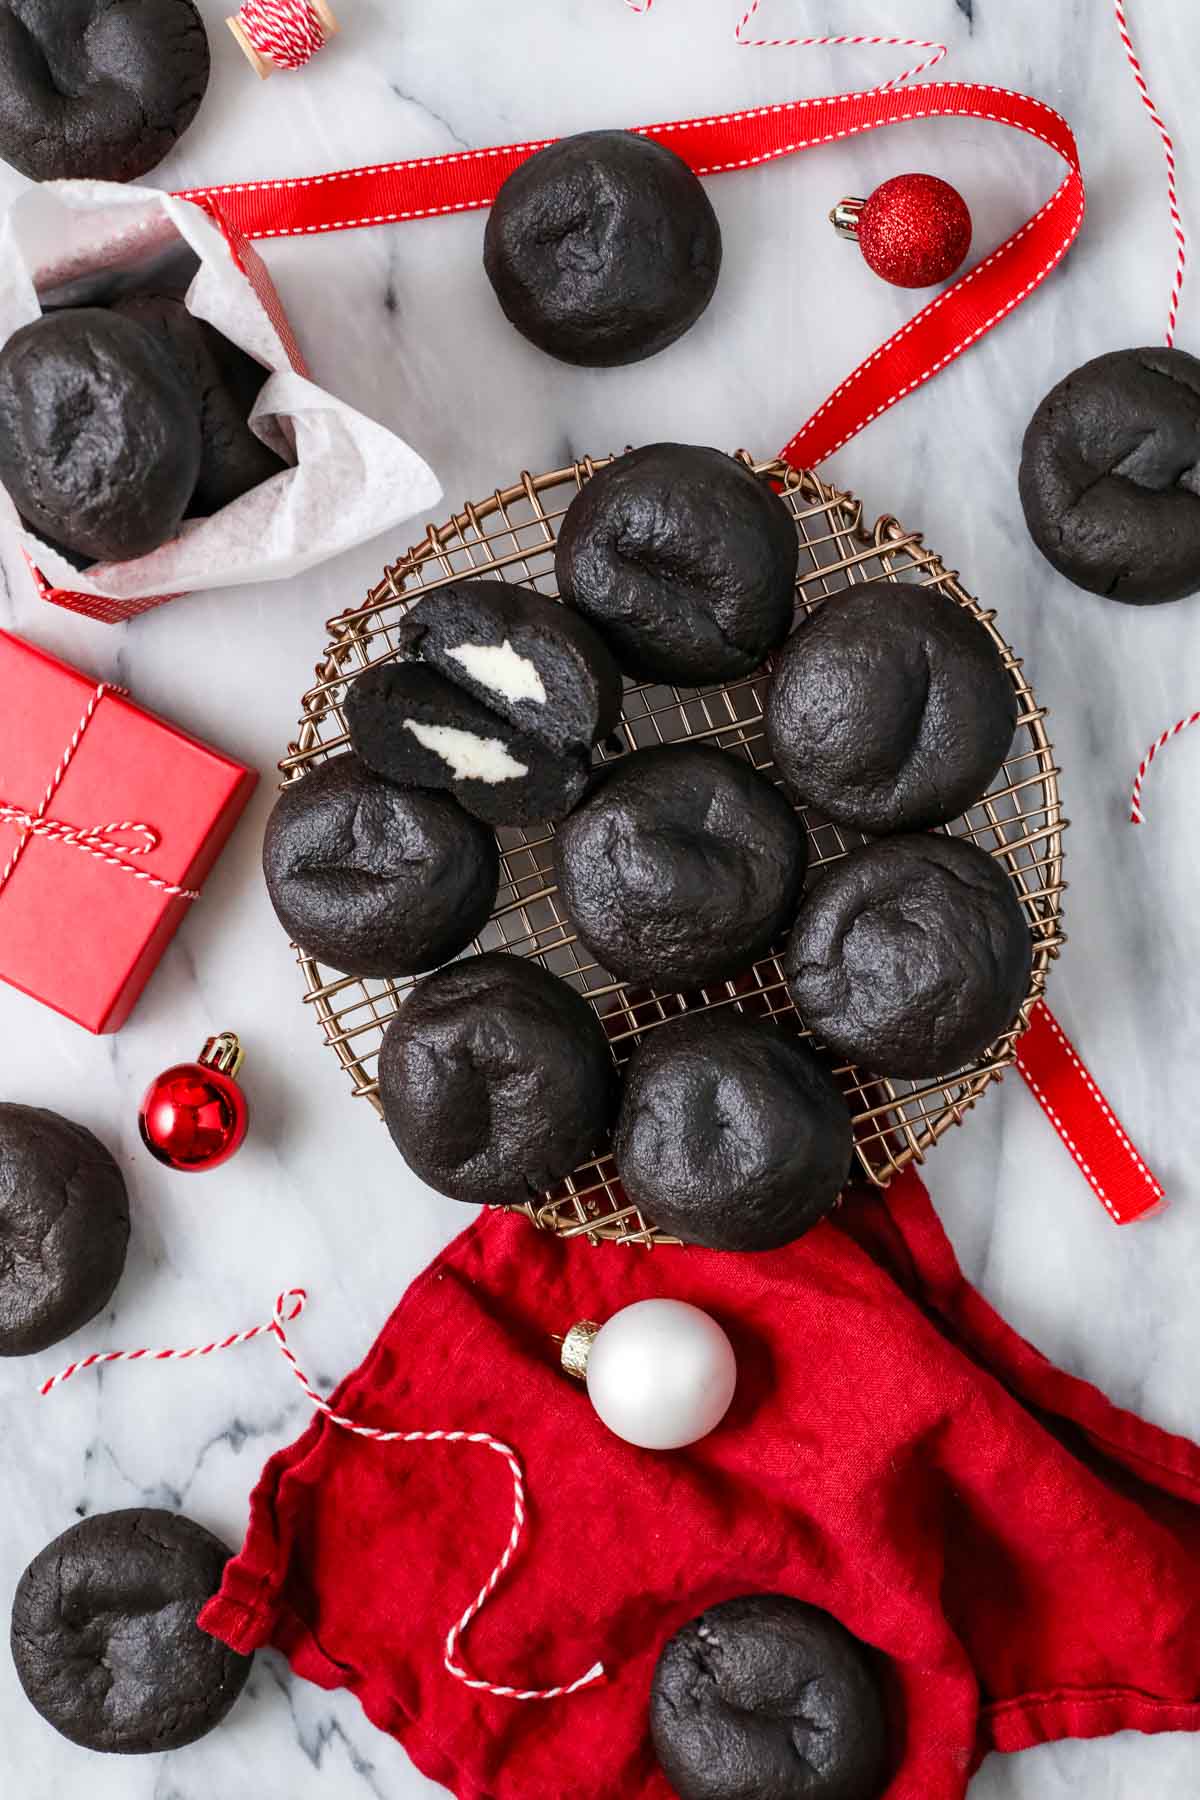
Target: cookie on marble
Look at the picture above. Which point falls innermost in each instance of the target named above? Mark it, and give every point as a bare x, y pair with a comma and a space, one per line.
731, 1134
534, 662
496, 1080
1110, 476
603, 248
911, 956
64, 1228
682, 867
769, 1698
105, 1639
224, 383
413, 726
890, 709
94, 91
372, 879
683, 560
99, 437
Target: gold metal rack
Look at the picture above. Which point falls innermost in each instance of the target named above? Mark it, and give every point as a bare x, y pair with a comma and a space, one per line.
511, 536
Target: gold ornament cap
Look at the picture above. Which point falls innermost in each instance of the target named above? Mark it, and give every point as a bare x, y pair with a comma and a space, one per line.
577, 1347
223, 1052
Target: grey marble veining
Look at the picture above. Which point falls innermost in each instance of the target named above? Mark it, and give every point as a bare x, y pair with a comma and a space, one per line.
400, 322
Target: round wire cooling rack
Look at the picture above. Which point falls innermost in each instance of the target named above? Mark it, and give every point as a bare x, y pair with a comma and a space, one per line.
511, 535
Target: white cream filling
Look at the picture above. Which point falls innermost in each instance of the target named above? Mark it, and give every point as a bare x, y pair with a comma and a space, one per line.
500, 669
467, 756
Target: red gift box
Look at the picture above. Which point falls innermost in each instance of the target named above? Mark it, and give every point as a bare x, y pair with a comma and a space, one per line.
110, 819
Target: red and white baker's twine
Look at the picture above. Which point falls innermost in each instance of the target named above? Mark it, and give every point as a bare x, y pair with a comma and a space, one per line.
816, 43
287, 33
288, 1307
1136, 815
1169, 153
100, 841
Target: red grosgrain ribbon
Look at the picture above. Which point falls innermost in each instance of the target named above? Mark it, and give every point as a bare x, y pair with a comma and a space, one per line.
288, 1308
468, 180
100, 841
1084, 1120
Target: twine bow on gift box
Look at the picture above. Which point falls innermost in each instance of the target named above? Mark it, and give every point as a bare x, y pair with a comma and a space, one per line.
100, 841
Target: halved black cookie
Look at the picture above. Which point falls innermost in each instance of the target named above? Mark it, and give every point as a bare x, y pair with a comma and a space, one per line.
890, 708
409, 723
529, 659
731, 1134
99, 437
766, 1698
97, 91
911, 956
1110, 476
105, 1639
683, 866
374, 879
224, 384
64, 1228
496, 1080
684, 560
603, 248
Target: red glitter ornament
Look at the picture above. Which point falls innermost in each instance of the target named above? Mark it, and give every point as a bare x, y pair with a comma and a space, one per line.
914, 231
194, 1115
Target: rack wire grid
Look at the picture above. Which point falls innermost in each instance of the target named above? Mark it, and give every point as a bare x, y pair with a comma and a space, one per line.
511, 535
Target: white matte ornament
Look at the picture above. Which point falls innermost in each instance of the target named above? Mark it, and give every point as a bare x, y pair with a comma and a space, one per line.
661, 1374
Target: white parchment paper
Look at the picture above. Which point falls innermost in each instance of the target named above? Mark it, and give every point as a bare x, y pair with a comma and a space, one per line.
85, 242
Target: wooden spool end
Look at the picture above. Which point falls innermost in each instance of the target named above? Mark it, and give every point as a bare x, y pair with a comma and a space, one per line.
260, 64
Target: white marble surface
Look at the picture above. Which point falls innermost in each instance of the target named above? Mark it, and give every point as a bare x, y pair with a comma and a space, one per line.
401, 322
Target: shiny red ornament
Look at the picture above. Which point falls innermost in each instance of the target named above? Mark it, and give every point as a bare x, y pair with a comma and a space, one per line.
194, 1115
914, 231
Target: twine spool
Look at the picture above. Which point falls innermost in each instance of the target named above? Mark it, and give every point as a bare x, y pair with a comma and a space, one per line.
282, 34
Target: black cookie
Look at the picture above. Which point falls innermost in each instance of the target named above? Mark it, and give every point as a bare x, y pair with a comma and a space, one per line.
1110, 476
94, 90
765, 1698
64, 1227
410, 724
373, 879
223, 383
534, 662
731, 1134
684, 560
105, 1639
496, 1080
911, 956
890, 708
683, 867
99, 438
603, 248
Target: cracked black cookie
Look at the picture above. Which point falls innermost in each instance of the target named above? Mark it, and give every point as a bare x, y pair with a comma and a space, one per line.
731, 1134
373, 879
223, 383
99, 437
1110, 476
496, 1080
97, 89
769, 1697
105, 1639
603, 248
683, 866
911, 956
64, 1228
683, 560
890, 708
